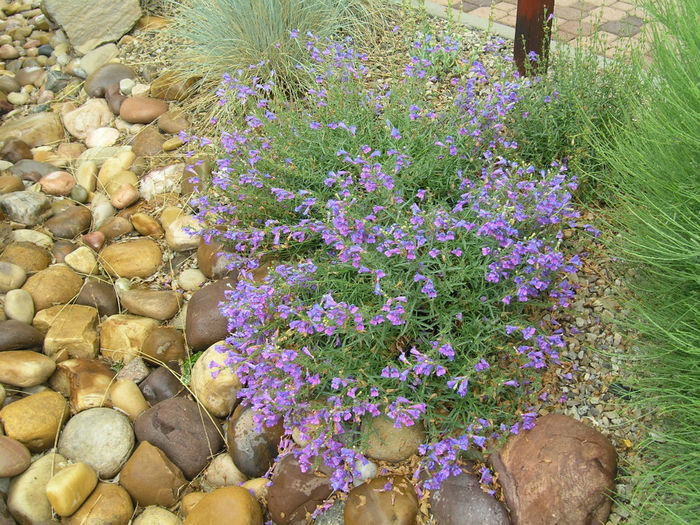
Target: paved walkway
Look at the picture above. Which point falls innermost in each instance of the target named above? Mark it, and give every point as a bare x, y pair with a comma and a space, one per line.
613, 22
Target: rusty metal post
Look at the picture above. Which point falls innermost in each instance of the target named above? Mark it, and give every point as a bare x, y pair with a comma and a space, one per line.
533, 31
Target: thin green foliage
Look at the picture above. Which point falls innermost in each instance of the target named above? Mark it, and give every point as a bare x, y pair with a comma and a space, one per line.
213, 37
653, 150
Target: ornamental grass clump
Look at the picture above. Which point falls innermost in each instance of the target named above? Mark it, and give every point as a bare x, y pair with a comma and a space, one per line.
406, 249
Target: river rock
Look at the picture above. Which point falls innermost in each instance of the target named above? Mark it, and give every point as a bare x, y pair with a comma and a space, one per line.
89, 25
95, 113
99, 295
385, 500
122, 336
252, 451
178, 427
85, 381
172, 86
182, 233
57, 284
70, 222
135, 370
30, 76
156, 304
222, 472
162, 384
96, 58
26, 498
148, 142
82, 260
73, 333
164, 344
19, 306
294, 493
205, 325
461, 492
16, 335
172, 122
10, 184
35, 129
151, 478
25, 207
70, 487
216, 386
27, 255
15, 150
124, 195
157, 516
106, 76
31, 170
561, 471
58, 183
115, 227
109, 504
9, 85
25, 368
137, 258
33, 236
115, 100
388, 443
15, 458
211, 259
226, 506
106, 450
101, 137
127, 397
162, 180
142, 110
35, 420
191, 279
146, 225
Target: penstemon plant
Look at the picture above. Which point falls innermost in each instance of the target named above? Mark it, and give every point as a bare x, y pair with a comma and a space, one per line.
402, 243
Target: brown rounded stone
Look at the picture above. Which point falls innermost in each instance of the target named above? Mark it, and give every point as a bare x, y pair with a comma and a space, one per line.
561, 471
94, 240
205, 324
148, 142
209, 261
385, 500
114, 98
137, 258
99, 295
15, 150
164, 344
172, 86
85, 381
151, 478
70, 222
109, 504
147, 225
16, 335
115, 227
162, 384
27, 255
58, 183
57, 284
61, 248
15, 458
142, 110
294, 493
226, 506
253, 452
172, 122
35, 420
107, 75
10, 183
25, 368
156, 304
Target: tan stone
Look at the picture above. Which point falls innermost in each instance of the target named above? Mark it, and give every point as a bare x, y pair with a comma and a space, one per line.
118, 180
146, 225
35, 420
181, 235
44, 319
109, 504
35, 130
73, 332
127, 397
188, 502
156, 304
24, 368
226, 506
82, 260
216, 394
26, 499
122, 336
258, 486
157, 516
151, 478
57, 284
137, 258
169, 215
86, 175
70, 487
85, 381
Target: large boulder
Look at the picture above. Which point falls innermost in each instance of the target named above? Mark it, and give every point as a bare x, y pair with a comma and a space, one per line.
89, 24
561, 471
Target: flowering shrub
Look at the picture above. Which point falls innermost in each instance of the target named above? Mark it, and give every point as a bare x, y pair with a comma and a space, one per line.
402, 243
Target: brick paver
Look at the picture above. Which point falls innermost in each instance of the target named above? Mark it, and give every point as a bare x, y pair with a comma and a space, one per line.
614, 22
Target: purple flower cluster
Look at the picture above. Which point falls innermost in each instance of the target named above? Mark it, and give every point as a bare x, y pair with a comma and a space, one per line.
400, 241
